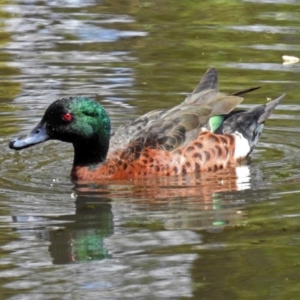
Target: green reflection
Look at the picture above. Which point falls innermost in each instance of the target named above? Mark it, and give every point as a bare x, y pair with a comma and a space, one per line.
258, 260
82, 240
9, 88
184, 39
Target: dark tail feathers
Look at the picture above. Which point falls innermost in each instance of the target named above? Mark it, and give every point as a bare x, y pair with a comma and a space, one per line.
268, 109
249, 123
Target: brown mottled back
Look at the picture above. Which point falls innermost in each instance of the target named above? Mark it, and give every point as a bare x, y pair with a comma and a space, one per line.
178, 126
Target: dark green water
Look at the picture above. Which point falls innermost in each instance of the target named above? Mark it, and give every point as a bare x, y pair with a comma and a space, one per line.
233, 234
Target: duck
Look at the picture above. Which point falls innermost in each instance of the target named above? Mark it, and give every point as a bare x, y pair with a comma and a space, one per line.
203, 133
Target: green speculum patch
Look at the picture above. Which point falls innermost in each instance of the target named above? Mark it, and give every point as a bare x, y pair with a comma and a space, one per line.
215, 122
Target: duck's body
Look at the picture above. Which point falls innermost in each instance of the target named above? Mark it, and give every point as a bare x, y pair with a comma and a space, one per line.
207, 152
200, 134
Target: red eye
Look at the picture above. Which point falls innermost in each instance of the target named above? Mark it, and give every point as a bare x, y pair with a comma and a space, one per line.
67, 117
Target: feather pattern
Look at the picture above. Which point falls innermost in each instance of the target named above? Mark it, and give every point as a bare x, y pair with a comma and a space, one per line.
203, 133
178, 140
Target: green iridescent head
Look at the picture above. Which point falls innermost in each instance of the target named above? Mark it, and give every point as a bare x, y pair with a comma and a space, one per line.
77, 120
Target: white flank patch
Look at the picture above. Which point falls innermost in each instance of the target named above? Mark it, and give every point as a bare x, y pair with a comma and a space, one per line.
242, 147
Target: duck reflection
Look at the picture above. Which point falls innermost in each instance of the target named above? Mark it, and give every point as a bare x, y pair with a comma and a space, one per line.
82, 239
208, 201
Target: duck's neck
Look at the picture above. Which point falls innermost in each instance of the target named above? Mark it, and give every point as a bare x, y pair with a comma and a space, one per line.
90, 152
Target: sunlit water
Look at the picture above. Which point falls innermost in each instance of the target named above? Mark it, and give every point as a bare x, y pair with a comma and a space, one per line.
233, 234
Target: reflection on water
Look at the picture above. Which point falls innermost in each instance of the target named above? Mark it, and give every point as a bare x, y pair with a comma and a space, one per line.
205, 201
142, 229
232, 234
73, 238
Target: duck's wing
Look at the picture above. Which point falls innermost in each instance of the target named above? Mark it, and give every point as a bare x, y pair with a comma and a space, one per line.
176, 129
170, 129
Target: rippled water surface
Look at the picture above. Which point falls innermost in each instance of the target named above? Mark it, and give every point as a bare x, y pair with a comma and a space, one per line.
233, 234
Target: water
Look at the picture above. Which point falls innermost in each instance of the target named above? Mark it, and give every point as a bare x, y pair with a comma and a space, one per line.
233, 234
